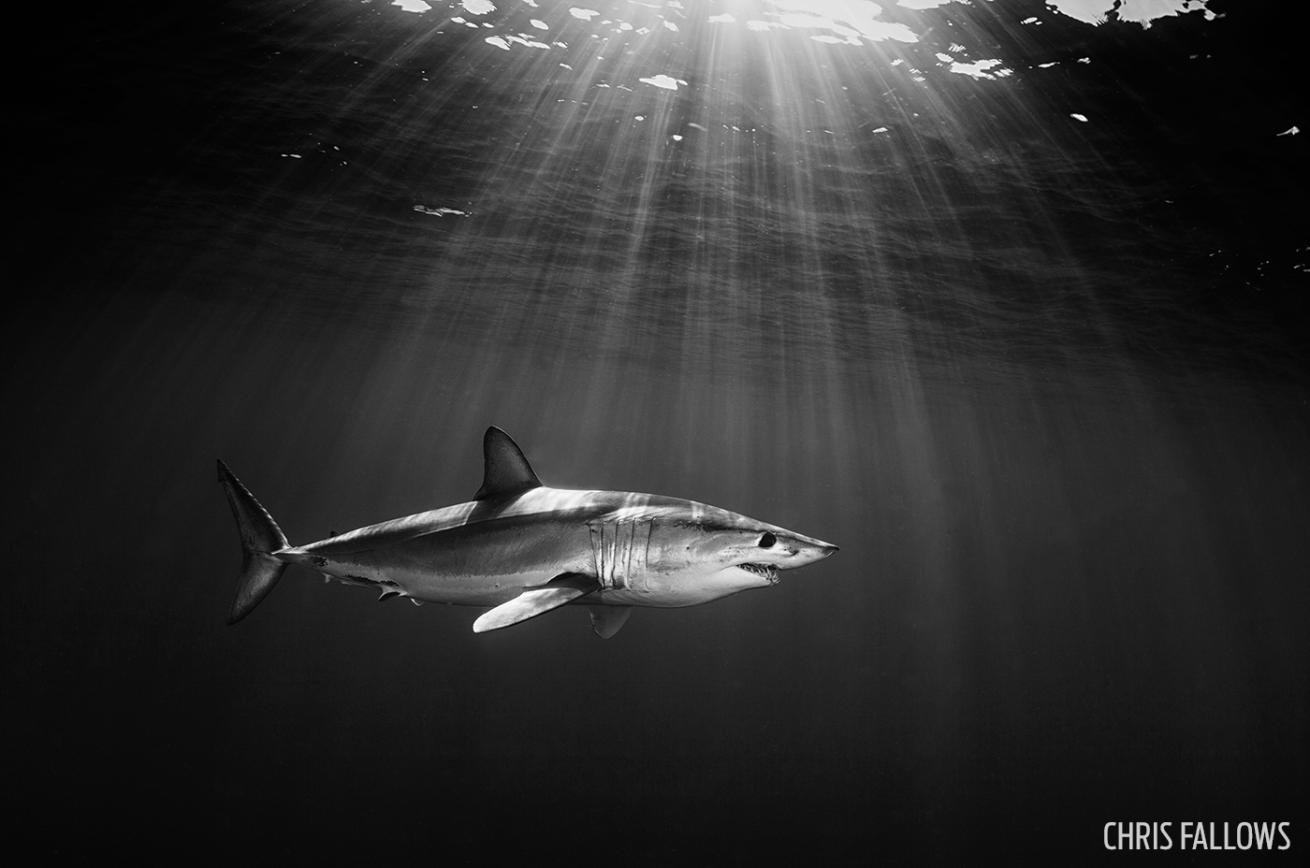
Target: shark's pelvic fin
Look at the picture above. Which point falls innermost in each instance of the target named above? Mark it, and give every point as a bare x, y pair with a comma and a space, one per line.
505, 471
608, 620
536, 601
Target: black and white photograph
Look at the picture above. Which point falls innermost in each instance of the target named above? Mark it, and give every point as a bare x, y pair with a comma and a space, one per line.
657, 433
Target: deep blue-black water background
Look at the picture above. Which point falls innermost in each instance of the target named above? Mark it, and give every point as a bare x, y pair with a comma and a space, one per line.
1044, 379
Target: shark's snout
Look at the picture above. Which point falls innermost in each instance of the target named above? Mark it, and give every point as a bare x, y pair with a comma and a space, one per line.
819, 551
800, 551
816, 547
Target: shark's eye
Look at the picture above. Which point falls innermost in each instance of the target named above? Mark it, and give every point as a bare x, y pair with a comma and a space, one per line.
767, 540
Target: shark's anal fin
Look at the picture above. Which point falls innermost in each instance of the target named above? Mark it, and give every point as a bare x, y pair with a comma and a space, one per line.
608, 620
536, 601
505, 472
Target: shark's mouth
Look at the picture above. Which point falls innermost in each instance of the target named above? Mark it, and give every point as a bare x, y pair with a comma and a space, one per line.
768, 572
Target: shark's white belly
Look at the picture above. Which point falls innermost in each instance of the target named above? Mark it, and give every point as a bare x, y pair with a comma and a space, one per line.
660, 592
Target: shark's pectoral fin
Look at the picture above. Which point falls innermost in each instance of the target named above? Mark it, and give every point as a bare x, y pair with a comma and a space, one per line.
607, 620
536, 601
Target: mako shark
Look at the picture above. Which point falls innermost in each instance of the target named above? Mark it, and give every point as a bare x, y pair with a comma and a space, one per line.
524, 549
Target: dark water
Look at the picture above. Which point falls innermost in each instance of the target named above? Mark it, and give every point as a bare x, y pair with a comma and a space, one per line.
1043, 378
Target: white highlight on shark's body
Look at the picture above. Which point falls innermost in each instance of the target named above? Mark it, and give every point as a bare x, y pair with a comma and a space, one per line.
524, 549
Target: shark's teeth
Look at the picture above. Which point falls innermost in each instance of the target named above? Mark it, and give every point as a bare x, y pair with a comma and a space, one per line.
767, 572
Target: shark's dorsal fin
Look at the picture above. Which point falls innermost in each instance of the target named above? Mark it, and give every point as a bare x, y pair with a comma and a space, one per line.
505, 471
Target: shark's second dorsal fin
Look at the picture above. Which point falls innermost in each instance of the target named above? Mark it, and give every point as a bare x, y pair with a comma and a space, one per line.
505, 471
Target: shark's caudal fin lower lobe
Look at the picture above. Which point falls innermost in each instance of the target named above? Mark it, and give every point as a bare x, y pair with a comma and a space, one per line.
260, 536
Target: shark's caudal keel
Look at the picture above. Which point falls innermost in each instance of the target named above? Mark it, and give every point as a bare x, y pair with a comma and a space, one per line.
523, 549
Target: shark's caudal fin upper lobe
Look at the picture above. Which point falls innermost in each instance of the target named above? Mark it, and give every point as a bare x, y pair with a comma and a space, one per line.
260, 536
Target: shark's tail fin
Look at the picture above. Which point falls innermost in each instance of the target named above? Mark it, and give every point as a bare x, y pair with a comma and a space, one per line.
260, 537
